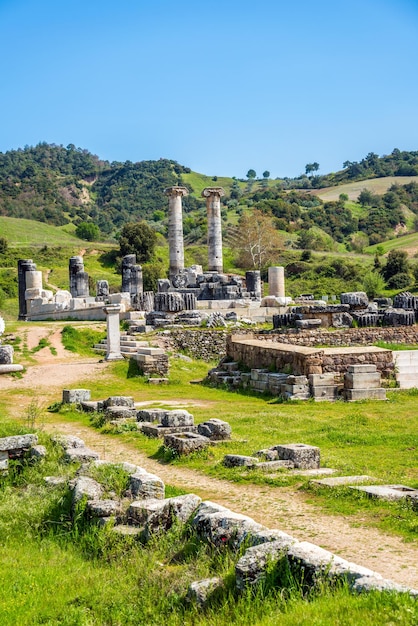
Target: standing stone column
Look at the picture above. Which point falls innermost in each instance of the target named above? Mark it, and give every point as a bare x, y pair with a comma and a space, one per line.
253, 283
113, 352
175, 228
132, 280
79, 279
276, 281
23, 266
213, 207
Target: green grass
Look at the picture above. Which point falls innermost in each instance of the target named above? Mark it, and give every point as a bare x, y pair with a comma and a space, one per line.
57, 569
22, 232
409, 243
81, 341
376, 185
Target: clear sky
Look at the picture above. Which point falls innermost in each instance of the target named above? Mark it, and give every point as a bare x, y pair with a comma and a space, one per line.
220, 86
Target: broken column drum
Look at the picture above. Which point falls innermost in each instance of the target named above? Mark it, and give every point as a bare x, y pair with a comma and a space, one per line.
23, 266
253, 283
102, 290
132, 281
79, 279
175, 228
276, 281
213, 206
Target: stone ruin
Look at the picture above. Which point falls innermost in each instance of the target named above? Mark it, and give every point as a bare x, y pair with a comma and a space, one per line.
6, 355
355, 308
143, 510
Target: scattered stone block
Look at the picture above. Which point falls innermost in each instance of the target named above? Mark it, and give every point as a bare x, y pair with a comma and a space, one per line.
126, 401
18, 442
215, 429
68, 441
104, 508
37, 453
75, 396
186, 442
156, 430
267, 454
302, 455
362, 381
239, 460
201, 591
4, 461
362, 368
273, 466
92, 406
146, 485
180, 509
150, 415
341, 481
314, 472
158, 381
377, 583
322, 380
120, 413
126, 531
388, 492
177, 418
84, 486
80, 454
251, 567
222, 527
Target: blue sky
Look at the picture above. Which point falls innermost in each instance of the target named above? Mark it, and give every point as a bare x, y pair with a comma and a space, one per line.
219, 86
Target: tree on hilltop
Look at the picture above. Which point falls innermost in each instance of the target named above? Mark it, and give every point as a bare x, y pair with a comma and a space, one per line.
251, 174
311, 167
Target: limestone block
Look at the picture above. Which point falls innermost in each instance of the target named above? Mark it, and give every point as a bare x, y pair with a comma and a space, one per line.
126, 401
332, 392
68, 441
104, 508
150, 415
151, 351
6, 355
177, 418
33, 292
273, 466
119, 412
160, 515
83, 486
362, 368
302, 455
215, 429
186, 442
352, 395
146, 485
251, 567
340, 481
80, 454
74, 396
267, 454
156, 430
201, 591
18, 442
322, 380
4, 461
389, 492
376, 583
239, 460
270, 534
62, 297
362, 381
37, 453
225, 528
8, 369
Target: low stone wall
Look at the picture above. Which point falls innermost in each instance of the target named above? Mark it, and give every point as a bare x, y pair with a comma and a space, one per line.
209, 345
347, 337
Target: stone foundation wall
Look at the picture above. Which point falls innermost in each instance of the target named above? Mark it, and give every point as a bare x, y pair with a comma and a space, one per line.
208, 345
348, 337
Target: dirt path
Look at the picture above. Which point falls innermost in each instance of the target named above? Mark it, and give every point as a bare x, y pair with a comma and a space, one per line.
283, 508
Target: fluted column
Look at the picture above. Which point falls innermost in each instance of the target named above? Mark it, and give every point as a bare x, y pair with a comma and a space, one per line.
213, 207
175, 228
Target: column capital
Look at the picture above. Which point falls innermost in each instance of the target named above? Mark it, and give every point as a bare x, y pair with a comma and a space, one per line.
177, 190
213, 191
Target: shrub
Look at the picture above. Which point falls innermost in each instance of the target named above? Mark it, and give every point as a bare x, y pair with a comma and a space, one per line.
399, 281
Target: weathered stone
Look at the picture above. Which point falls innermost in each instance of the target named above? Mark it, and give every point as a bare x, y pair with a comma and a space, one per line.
156, 430
119, 413
362, 381
353, 395
201, 591
267, 454
54, 481
177, 418
150, 415
376, 583
361, 368
104, 508
4, 461
341, 481
251, 567
301, 454
160, 515
146, 485
388, 492
186, 443
80, 454
68, 441
75, 396
18, 442
6, 355
37, 453
223, 527
273, 466
239, 460
215, 429
126, 401
84, 486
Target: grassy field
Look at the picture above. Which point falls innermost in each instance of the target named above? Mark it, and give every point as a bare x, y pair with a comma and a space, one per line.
59, 569
409, 243
24, 233
376, 185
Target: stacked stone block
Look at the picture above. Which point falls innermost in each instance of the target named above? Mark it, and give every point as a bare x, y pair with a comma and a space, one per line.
152, 361
362, 382
325, 386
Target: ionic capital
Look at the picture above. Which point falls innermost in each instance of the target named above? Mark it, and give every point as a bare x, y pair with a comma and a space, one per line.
213, 191
176, 191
